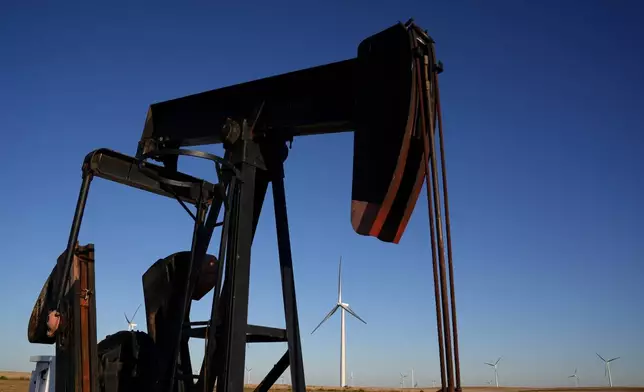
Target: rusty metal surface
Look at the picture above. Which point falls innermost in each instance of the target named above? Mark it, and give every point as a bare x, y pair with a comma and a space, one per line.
85, 301
443, 271
37, 329
76, 336
450, 263
385, 161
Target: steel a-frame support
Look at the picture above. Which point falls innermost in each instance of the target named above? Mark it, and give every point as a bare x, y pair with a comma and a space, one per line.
259, 163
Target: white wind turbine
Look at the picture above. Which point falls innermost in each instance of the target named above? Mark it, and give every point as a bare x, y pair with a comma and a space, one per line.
576, 377
130, 322
343, 307
248, 370
496, 373
402, 380
607, 368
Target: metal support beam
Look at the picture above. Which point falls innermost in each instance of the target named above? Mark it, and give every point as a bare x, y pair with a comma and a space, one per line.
286, 267
427, 78
238, 266
274, 374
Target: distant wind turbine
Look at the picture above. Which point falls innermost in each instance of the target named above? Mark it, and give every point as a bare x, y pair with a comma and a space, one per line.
496, 372
607, 368
433, 383
343, 307
576, 377
248, 370
130, 322
402, 380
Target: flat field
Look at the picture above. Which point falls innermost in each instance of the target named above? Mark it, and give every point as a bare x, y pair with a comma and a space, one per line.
14, 382
19, 382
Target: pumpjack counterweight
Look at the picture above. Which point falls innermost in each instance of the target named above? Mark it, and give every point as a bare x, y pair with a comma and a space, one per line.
387, 96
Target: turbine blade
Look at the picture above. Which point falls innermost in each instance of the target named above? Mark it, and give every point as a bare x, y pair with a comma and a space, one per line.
497, 361
340, 281
487, 363
126, 319
348, 309
600, 357
135, 312
611, 360
327, 317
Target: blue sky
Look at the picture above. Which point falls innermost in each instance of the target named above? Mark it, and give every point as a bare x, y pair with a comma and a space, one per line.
542, 106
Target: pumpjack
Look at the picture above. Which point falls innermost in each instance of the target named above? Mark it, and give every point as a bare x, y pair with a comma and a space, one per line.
388, 96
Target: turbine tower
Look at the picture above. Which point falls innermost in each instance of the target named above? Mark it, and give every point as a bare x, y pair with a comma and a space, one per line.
343, 307
496, 373
607, 368
576, 377
130, 322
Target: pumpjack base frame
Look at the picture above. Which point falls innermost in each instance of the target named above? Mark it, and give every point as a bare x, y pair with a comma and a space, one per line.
244, 176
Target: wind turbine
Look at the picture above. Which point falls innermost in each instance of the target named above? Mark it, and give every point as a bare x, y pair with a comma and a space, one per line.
351, 378
343, 307
130, 323
248, 370
496, 373
412, 378
607, 368
433, 383
402, 380
576, 377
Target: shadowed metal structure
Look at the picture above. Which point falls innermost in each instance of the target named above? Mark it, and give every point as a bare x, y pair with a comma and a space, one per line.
387, 96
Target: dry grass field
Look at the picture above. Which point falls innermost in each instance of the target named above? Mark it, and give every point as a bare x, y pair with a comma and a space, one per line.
19, 382
14, 382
